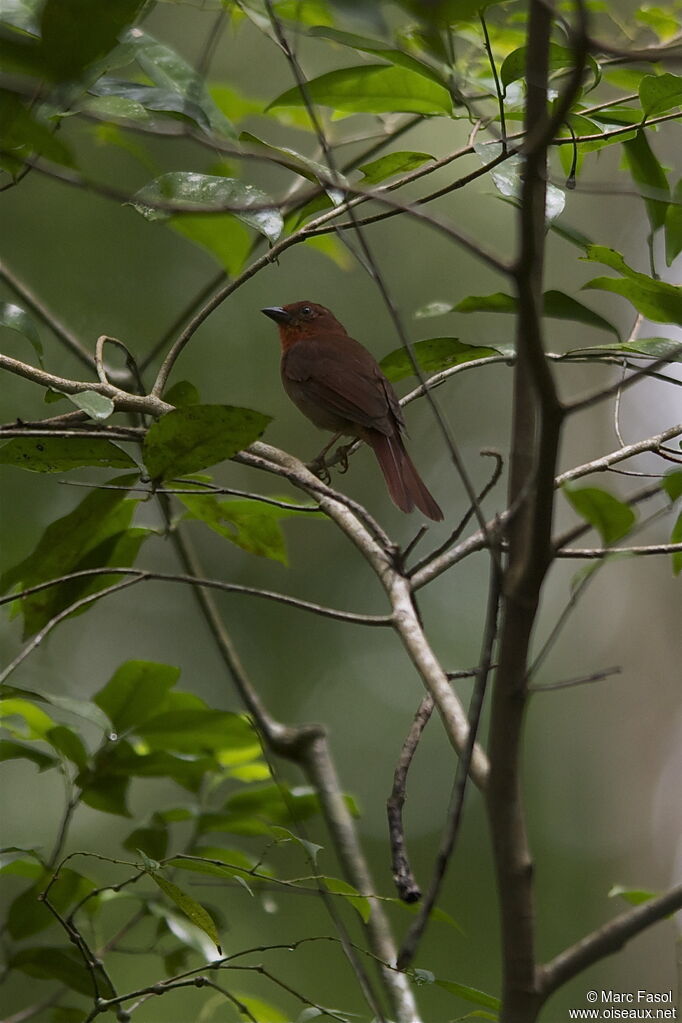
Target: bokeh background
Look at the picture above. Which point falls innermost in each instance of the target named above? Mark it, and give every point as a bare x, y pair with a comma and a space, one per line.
603, 765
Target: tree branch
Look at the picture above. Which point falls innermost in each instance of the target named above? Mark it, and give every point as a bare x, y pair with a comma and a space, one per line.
607, 940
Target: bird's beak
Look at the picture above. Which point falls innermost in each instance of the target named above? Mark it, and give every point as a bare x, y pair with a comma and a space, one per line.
277, 313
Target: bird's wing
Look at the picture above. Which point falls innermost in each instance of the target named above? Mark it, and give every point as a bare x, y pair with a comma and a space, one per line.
345, 379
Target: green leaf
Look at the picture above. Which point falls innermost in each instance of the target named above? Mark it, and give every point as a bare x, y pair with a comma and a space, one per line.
372, 89
62, 964
297, 162
104, 791
196, 730
378, 49
251, 525
192, 910
136, 692
673, 226
401, 162
672, 484
170, 71
333, 248
646, 171
435, 354
676, 537
557, 304
152, 840
79, 708
29, 915
36, 722
61, 454
635, 896
69, 743
75, 32
560, 57
311, 849
181, 394
359, 902
655, 299
470, 994
610, 517
97, 406
261, 1010
64, 546
117, 98
11, 750
508, 178
221, 234
22, 134
15, 318
194, 437
658, 93
254, 810
210, 193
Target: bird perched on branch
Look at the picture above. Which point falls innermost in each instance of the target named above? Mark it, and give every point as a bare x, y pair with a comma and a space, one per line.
339, 386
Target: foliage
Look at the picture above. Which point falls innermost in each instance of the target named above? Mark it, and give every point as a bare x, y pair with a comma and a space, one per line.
77, 74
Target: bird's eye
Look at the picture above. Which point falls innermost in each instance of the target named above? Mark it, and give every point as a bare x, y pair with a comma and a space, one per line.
306, 311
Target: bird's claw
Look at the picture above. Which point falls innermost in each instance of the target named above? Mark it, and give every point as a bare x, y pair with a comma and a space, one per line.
342, 455
319, 467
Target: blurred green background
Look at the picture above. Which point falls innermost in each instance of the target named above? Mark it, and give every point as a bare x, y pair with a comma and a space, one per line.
602, 762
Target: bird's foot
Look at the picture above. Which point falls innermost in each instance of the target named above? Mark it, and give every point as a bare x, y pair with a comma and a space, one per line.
318, 466
342, 455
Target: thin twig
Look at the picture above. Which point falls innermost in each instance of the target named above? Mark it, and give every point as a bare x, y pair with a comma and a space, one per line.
403, 877
450, 835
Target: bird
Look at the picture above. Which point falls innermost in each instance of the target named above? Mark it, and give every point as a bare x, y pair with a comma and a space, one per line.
339, 386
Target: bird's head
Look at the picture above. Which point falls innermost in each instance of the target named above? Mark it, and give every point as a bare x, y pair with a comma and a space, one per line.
299, 320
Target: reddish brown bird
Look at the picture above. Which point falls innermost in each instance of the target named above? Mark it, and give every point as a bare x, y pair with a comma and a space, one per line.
339, 386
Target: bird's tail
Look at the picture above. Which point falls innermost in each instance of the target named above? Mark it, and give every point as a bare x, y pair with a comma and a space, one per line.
405, 485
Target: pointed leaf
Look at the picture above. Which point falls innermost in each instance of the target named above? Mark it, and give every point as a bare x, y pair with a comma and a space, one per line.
210, 193
97, 406
647, 172
379, 49
560, 57
60, 454
470, 994
23, 134
251, 525
676, 537
194, 437
62, 964
192, 910
435, 354
610, 517
673, 226
658, 93
372, 89
657, 300
672, 484
76, 32
169, 70
136, 692
394, 163
359, 902
224, 236
297, 162
11, 750
557, 304
635, 896
15, 318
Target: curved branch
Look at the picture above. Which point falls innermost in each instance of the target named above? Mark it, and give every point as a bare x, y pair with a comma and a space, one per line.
150, 404
607, 940
145, 575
